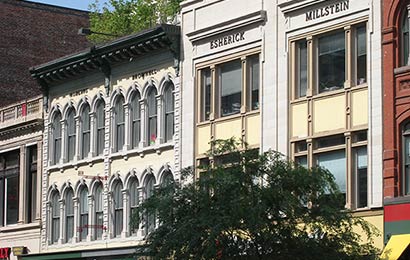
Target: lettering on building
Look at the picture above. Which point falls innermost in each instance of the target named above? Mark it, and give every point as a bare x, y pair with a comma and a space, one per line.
144, 74
227, 40
79, 92
4, 252
327, 10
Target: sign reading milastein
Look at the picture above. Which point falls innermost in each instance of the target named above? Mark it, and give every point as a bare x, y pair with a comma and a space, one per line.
327, 10
227, 40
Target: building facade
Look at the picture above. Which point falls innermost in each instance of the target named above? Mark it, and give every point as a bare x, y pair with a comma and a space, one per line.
110, 137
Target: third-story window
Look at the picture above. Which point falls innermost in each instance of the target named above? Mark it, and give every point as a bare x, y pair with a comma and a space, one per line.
119, 124
118, 209
100, 123
152, 116
302, 68
169, 111
98, 218
56, 139
71, 135
83, 229
69, 216
136, 120
406, 159
224, 92
85, 131
9, 188
32, 183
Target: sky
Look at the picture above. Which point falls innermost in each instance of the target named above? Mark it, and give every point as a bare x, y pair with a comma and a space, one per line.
76, 4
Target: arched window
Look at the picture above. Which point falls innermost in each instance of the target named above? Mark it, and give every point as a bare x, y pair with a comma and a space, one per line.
167, 178
83, 214
69, 216
149, 191
136, 120
405, 39
134, 201
100, 127
55, 217
152, 116
169, 112
85, 131
56, 139
119, 117
70, 135
406, 158
98, 218
118, 208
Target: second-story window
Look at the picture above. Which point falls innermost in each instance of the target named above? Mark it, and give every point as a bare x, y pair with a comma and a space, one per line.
83, 229
85, 131
149, 191
152, 115
100, 127
406, 159
119, 117
134, 201
55, 217
169, 112
56, 139
9, 188
70, 135
136, 120
69, 216
118, 208
98, 217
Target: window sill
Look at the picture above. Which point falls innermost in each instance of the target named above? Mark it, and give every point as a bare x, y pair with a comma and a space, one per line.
402, 70
19, 227
76, 164
158, 148
230, 117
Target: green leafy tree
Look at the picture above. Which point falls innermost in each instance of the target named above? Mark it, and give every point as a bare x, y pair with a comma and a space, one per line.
123, 17
243, 205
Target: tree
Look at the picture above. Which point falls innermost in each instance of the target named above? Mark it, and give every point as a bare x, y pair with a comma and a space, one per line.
243, 205
123, 17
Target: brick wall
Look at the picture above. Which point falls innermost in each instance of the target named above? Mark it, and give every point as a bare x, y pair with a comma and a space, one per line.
31, 34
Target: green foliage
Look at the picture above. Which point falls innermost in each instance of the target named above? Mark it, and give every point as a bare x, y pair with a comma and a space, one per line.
243, 205
123, 17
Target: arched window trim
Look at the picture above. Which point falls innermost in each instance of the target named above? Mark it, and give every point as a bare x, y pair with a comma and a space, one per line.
152, 116
169, 107
136, 120
56, 133
119, 124
85, 131
99, 127
71, 134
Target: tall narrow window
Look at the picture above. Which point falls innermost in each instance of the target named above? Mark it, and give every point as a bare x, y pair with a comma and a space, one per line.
205, 94
83, 214
134, 201
55, 217
253, 65
331, 62
150, 218
71, 135
98, 218
118, 209
152, 116
69, 216
361, 176
169, 112
230, 83
9, 188
56, 140
136, 120
405, 40
119, 124
361, 55
85, 132
100, 123
32, 183
406, 159
301, 70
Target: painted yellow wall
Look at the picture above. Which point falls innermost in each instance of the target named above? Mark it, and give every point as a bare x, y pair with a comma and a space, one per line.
253, 130
329, 114
359, 108
299, 117
228, 129
204, 136
377, 221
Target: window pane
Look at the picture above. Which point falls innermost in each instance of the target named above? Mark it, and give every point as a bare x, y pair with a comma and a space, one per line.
302, 68
302, 161
205, 94
254, 81
69, 212
98, 213
83, 227
169, 112
56, 128
136, 116
335, 162
55, 216
230, 83
32, 183
100, 118
361, 178
85, 120
12, 209
361, 54
118, 222
405, 40
331, 62
119, 123
152, 116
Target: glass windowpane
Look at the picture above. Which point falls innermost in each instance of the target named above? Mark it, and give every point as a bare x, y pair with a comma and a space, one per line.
230, 83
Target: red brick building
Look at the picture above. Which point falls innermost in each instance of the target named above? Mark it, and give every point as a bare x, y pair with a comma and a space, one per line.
33, 33
396, 120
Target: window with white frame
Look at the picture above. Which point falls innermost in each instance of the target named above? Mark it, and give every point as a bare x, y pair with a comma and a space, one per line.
85, 131
223, 90
134, 202
169, 111
55, 152
149, 191
329, 69
118, 208
119, 118
83, 227
9, 188
69, 216
98, 212
71, 134
55, 217
136, 120
100, 127
152, 134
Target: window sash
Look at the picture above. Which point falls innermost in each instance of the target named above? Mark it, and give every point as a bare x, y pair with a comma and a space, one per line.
55, 229
83, 230
361, 177
254, 74
335, 162
230, 84
302, 68
100, 123
12, 199
118, 221
206, 85
69, 224
99, 225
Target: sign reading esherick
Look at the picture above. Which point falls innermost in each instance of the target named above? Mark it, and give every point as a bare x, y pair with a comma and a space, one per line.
226, 40
327, 10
